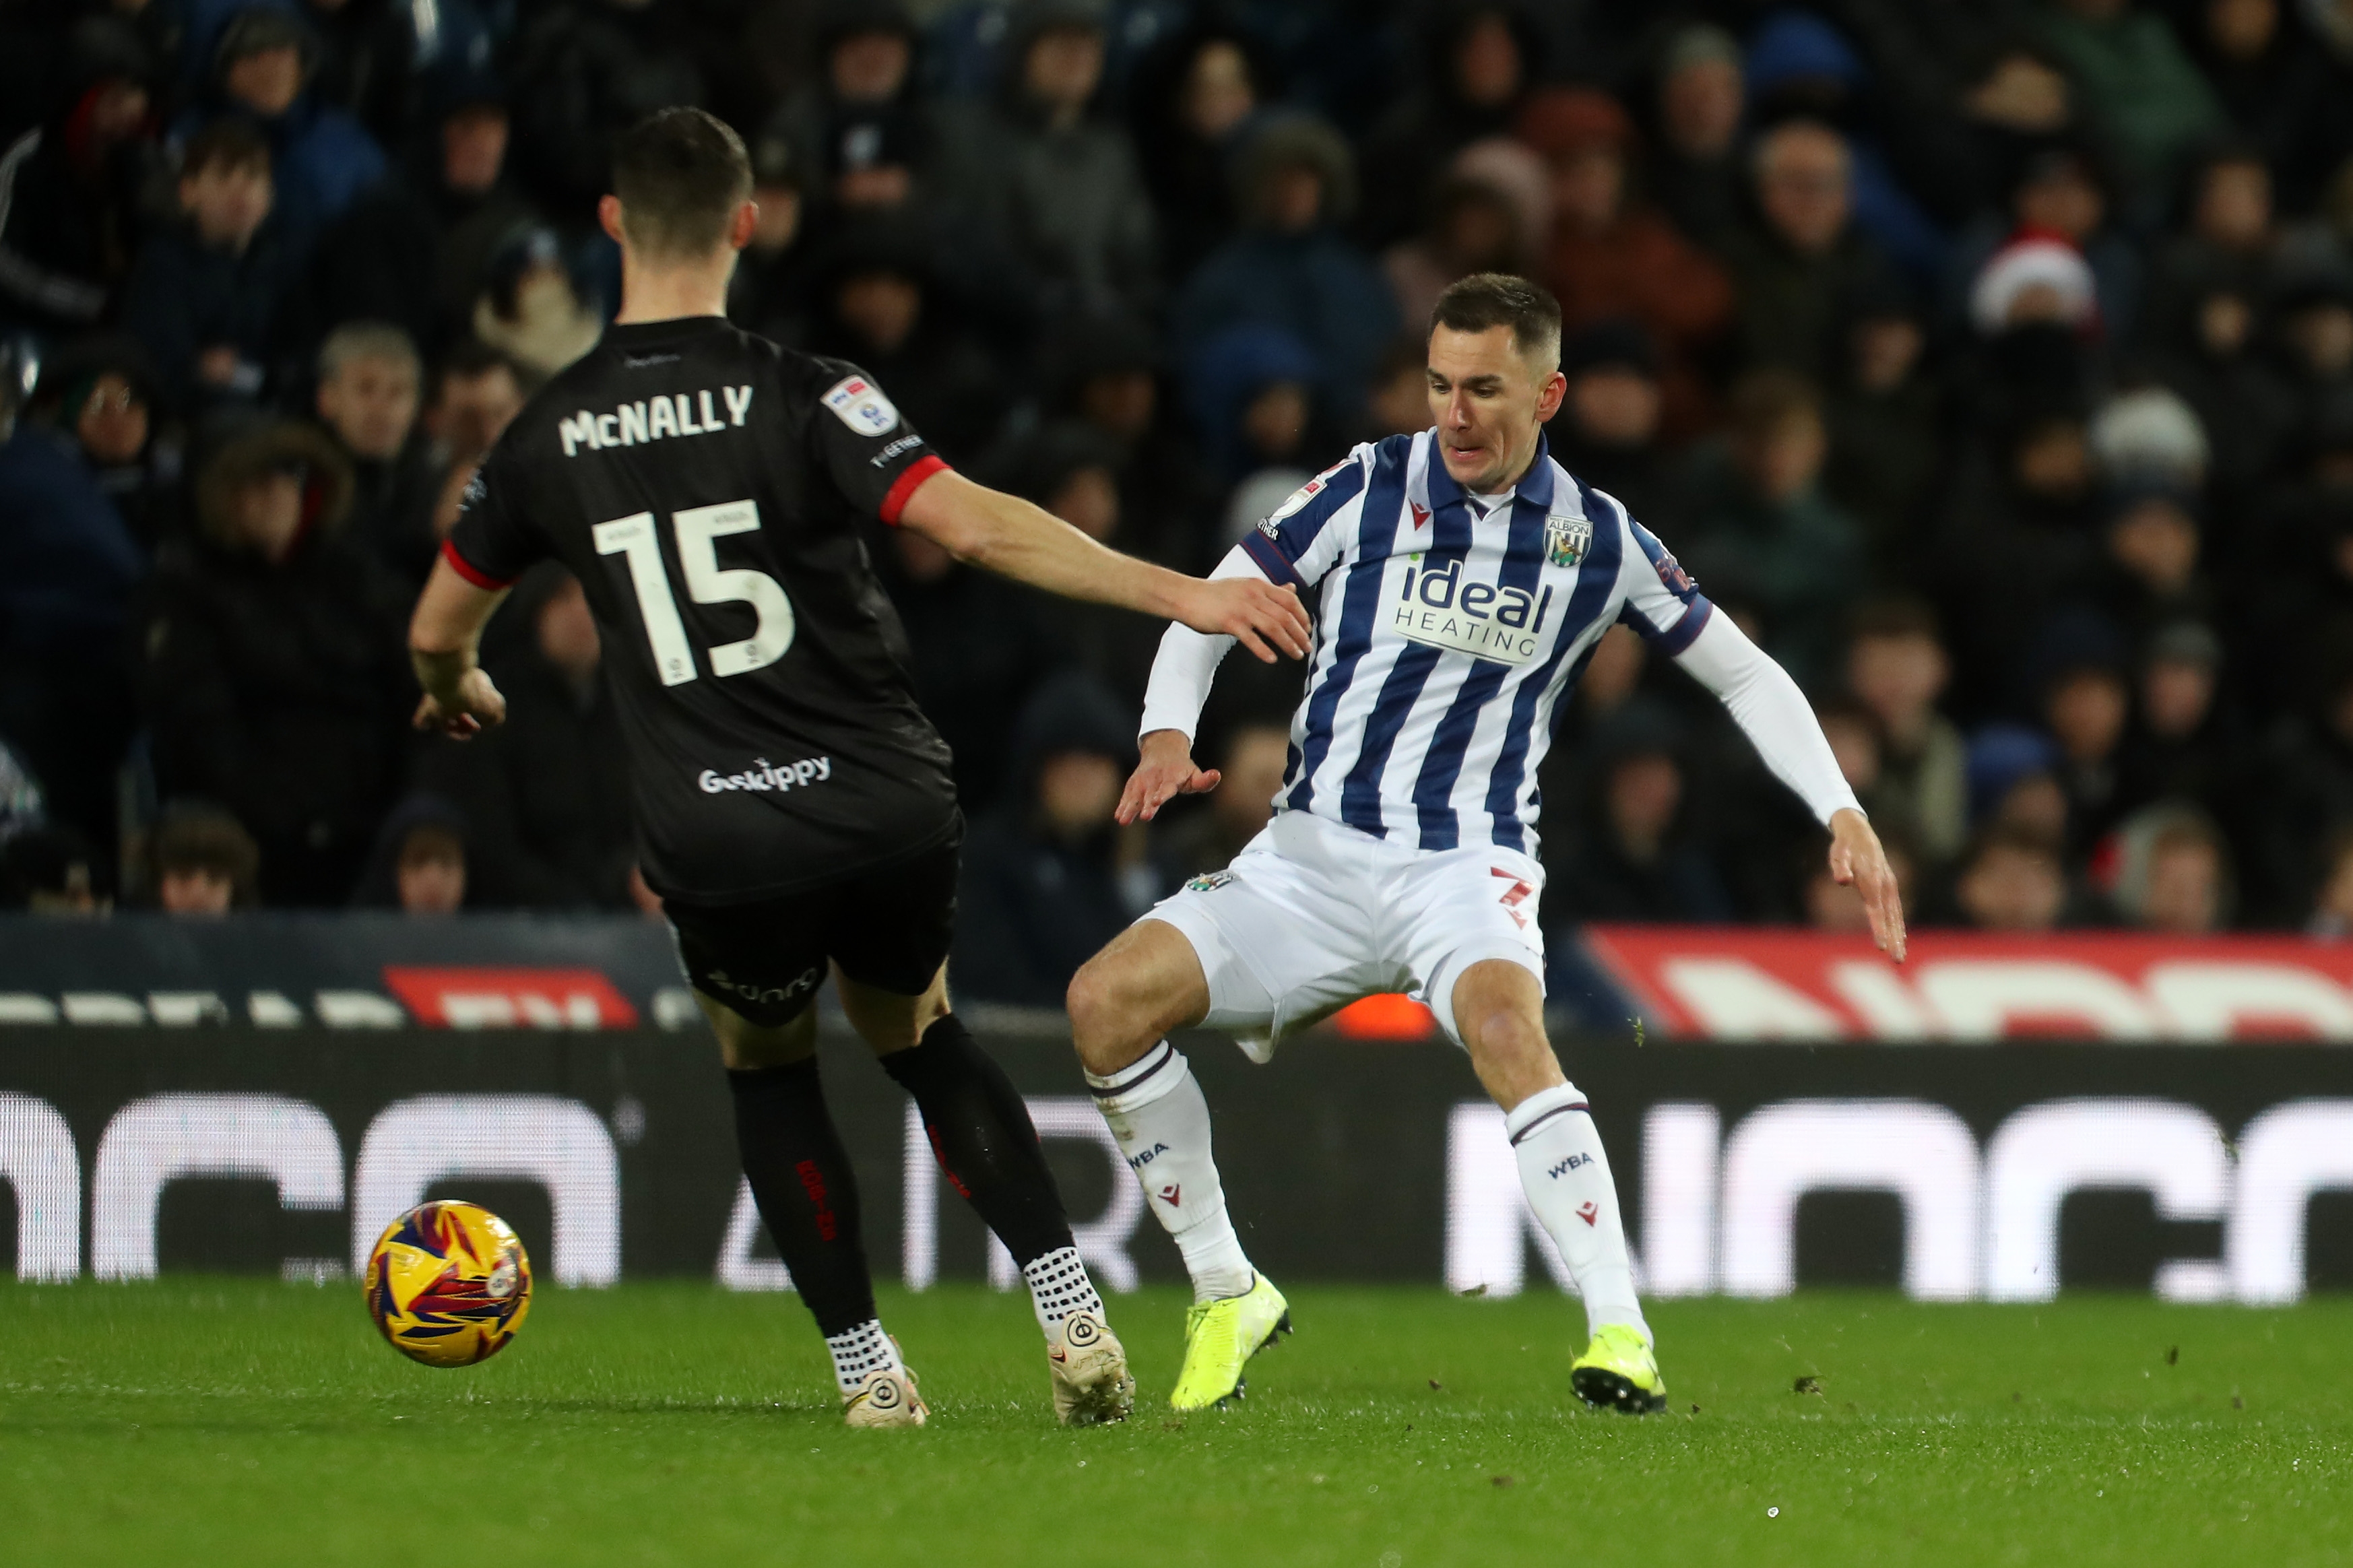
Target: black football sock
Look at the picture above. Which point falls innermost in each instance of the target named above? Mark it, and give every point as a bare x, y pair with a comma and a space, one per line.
982, 1135
801, 1179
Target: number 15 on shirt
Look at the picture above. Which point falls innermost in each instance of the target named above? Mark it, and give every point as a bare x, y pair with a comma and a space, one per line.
707, 583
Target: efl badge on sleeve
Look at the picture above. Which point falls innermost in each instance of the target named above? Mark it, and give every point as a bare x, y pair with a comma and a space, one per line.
859, 404
1566, 539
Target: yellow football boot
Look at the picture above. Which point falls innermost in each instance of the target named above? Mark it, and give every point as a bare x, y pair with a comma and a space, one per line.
1220, 1336
1619, 1371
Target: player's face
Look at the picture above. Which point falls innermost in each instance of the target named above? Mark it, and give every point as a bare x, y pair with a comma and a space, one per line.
1488, 401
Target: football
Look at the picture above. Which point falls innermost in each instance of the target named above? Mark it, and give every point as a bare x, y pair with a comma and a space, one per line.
448, 1284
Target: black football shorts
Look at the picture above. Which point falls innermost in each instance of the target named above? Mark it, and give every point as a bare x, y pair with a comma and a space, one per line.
887, 927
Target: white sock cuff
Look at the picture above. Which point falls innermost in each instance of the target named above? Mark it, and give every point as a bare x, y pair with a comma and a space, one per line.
1156, 1073
1542, 1108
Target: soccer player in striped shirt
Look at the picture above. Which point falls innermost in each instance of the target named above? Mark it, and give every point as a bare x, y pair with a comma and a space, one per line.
1462, 579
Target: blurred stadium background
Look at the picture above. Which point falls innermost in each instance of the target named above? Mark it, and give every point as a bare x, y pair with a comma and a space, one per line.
1993, 363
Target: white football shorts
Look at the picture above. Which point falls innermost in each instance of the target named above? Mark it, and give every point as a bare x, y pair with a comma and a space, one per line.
1313, 915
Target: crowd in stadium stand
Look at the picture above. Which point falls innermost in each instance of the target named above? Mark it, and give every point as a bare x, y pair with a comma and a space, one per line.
1992, 361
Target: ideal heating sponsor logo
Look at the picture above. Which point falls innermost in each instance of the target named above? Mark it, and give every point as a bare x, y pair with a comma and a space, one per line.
655, 419
764, 775
1436, 606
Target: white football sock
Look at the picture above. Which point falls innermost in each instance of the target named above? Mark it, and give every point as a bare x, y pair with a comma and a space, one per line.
1162, 1124
859, 1352
1567, 1177
1059, 1287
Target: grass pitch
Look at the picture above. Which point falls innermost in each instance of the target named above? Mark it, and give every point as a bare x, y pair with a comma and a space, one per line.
195, 1421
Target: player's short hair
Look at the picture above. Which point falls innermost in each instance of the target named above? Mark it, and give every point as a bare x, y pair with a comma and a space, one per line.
230, 144
355, 342
680, 175
1487, 299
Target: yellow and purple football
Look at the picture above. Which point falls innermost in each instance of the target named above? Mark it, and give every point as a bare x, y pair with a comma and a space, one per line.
448, 1284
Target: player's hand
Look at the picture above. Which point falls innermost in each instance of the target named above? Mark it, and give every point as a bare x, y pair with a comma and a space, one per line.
1166, 772
1260, 616
1857, 861
474, 707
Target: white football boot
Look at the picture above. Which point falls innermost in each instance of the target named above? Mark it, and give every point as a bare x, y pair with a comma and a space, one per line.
886, 1398
1092, 1385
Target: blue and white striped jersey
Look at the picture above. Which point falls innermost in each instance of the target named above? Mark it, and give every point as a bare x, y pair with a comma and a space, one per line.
1445, 639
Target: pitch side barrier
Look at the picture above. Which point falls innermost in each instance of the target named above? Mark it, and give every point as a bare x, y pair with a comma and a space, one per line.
266, 1094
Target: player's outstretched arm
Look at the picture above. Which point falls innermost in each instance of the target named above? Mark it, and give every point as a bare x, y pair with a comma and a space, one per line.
1011, 537
444, 636
1778, 722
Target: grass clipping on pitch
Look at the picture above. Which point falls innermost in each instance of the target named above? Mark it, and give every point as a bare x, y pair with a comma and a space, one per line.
213, 1420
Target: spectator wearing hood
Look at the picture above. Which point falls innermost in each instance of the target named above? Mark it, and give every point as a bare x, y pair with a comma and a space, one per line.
1805, 256
270, 662
1886, 415
865, 54
416, 251
1695, 173
205, 295
582, 72
67, 570
421, 862
1106, 372
773, 290
71, 188
1070, 469
1608, 432
1044, 873
1800, 65
1197, 100
1763, 536
879, 309
1609, 254
1253, 395
2186, 742
322, 159
2143, 95
2086, 702
104, 393
1479, 59
1056, 184
546, 794
1630, 855
1290, 267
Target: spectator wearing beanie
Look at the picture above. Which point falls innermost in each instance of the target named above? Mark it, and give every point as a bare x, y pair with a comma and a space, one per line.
415, 252
1290, 269
323, 160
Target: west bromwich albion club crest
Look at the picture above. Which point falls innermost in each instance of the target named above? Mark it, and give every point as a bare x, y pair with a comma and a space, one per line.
1566, 539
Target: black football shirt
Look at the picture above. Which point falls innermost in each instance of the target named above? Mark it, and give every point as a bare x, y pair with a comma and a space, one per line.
706, 486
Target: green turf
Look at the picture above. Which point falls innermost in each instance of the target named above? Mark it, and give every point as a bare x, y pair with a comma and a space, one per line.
235, 1421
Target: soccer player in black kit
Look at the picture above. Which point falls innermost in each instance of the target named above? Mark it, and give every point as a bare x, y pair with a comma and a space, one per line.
794, 807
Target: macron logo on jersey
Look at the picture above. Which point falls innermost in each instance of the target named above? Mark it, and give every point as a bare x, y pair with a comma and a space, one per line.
859, 404
654, 419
